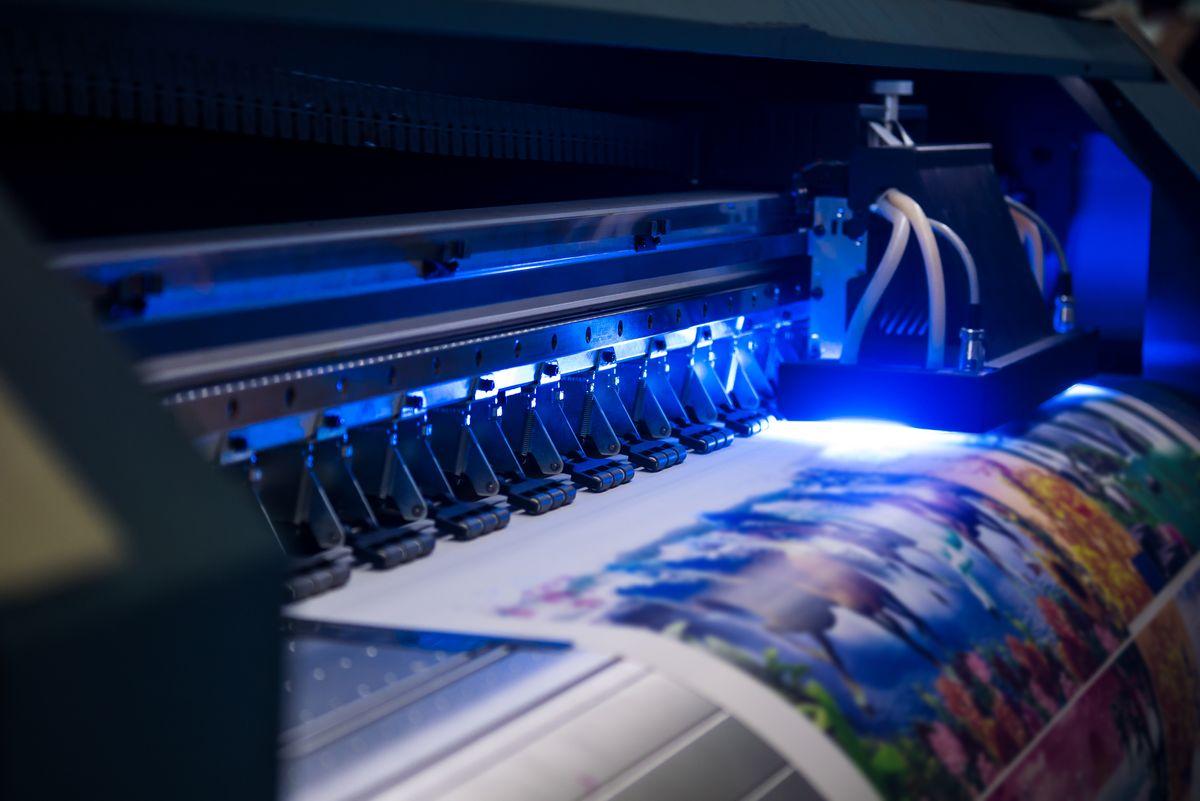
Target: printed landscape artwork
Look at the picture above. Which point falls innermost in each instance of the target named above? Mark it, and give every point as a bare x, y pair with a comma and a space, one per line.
933, 608
1133, 733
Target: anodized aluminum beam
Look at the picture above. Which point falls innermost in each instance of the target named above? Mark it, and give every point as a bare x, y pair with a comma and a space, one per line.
232, 304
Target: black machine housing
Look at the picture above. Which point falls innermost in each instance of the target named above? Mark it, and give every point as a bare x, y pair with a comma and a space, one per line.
303, 290
1027, 361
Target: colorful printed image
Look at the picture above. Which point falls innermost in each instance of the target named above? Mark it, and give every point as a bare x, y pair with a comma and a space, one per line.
1108, 746
930, 609
1135, 732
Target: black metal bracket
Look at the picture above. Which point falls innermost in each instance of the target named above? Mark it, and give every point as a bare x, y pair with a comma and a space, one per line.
652, 235
524, 442
454, 476
655, 403
595, 473
651, 453
303, 520
128, 295
704, 394
388, 538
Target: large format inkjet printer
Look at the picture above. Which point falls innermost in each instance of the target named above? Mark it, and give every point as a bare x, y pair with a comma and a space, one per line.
597, 400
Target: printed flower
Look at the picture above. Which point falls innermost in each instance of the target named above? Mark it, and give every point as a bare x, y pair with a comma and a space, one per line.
1010, 731
948, 748
979, 668
1044, 700
1106, 638
1039, 676
1076, 654
962, 708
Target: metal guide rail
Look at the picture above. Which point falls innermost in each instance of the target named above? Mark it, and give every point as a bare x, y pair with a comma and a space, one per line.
367, 381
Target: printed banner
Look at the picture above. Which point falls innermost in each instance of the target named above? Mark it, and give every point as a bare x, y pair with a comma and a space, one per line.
931, 612
951, 611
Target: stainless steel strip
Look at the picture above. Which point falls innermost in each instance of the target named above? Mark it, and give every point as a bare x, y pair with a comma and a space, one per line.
92, 252
212, 364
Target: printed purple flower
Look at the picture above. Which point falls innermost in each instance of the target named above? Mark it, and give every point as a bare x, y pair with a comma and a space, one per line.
1106, 638
948, 748
979, 668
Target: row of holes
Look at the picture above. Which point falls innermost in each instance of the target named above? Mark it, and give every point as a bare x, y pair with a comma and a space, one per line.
289, 394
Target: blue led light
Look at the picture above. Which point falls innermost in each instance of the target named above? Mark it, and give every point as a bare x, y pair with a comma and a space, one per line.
1085, 391
865, 439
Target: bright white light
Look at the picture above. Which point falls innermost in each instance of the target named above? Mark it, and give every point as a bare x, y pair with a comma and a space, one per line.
1085, 391
865, 439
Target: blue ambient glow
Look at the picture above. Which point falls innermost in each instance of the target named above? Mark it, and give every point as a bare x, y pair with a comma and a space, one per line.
1109, 240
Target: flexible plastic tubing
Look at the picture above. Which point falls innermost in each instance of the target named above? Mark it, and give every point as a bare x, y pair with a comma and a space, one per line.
1032, 239
935, 352
1055, 244
897, 242
964, 255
